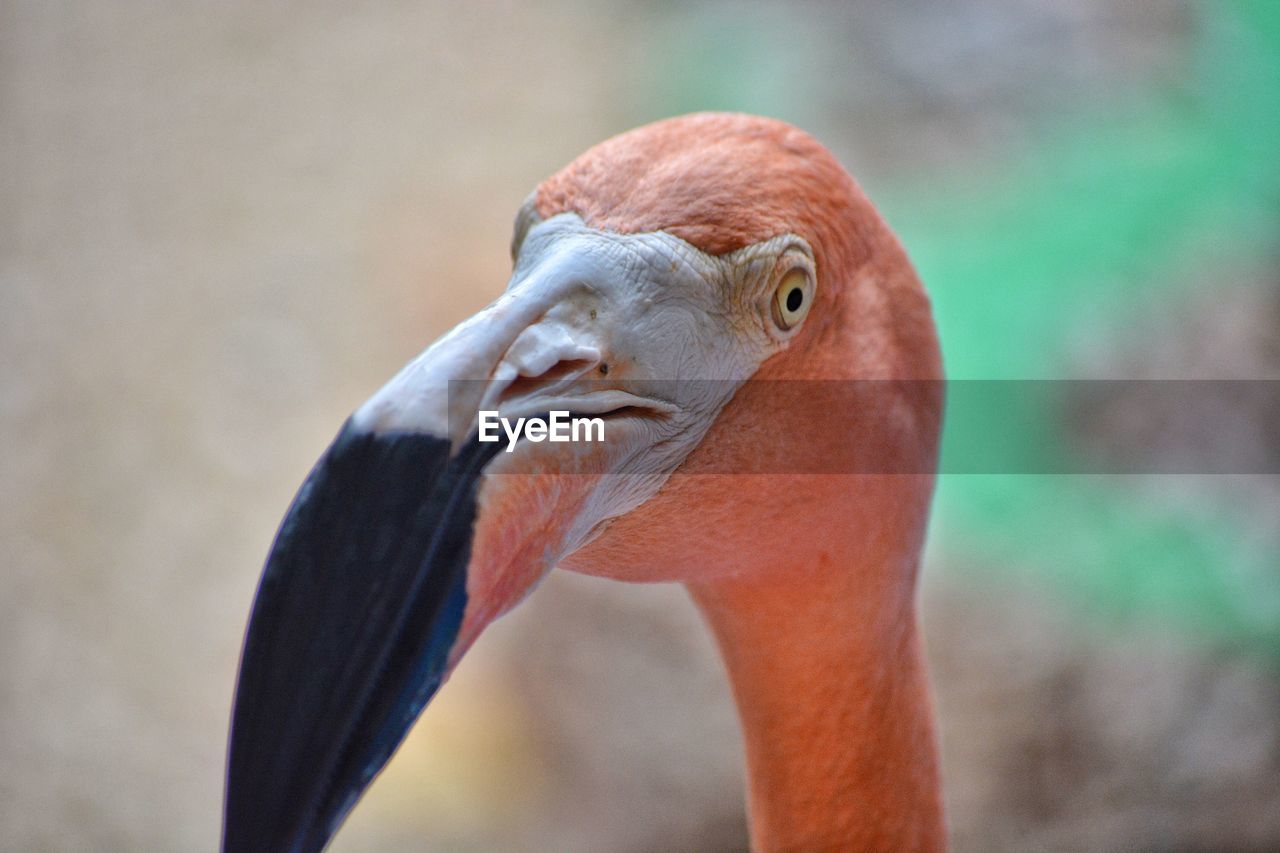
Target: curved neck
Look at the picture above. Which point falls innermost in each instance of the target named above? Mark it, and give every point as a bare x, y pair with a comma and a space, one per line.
829, 679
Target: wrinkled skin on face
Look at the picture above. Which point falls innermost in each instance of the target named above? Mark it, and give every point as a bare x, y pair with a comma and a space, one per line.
645, 330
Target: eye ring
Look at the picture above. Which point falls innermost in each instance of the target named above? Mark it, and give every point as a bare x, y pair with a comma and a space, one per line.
792, 298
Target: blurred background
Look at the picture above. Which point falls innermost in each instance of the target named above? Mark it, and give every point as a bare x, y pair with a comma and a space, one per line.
224, 225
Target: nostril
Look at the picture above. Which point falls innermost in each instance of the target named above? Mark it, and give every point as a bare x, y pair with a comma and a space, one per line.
561, 370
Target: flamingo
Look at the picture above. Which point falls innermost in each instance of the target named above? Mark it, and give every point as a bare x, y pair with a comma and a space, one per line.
709, 286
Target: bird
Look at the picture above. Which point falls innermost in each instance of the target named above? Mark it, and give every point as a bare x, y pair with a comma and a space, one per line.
718, 292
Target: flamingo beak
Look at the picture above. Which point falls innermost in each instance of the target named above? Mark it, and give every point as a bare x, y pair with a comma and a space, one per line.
410, 535
413, 533
359, 604
362, 609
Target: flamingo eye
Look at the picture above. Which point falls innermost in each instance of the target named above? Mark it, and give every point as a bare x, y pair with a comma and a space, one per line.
792, 298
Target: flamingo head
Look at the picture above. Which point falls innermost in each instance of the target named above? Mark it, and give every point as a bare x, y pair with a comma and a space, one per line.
683, 289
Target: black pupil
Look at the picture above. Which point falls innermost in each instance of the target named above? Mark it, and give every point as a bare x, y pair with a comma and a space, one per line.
795, 299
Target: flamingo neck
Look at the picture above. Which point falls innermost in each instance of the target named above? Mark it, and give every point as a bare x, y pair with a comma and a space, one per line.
830, 684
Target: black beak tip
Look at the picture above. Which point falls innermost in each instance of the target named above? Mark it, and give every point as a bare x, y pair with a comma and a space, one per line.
359, 605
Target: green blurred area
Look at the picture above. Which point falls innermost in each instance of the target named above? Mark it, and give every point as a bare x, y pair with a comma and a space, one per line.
1124, 193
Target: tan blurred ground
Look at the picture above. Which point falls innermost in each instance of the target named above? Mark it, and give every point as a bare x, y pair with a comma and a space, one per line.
225, 224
